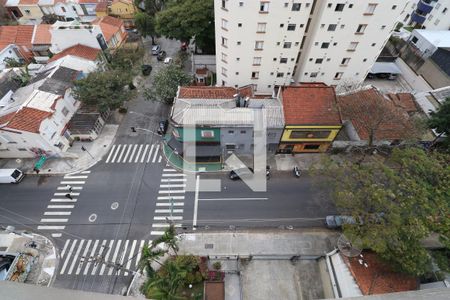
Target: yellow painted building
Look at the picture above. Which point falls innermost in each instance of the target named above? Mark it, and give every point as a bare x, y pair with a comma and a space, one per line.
312, 119
123, 9
30, 11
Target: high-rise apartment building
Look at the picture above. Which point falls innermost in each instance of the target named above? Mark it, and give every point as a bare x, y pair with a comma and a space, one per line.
279, 42
428, 14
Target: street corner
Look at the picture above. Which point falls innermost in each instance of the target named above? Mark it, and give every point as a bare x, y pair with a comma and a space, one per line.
30, 258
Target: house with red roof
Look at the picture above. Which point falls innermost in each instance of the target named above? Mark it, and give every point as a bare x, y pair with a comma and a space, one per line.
312, 118
34, 119
15, 43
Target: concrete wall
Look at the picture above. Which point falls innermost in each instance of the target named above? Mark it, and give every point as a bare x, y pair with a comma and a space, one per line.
434, 75
242, 137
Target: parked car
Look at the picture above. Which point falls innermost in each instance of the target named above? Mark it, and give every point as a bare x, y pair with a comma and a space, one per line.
243, 173
334, 222
161, 56
162, 128
168, 60
146, 69
156, 49
11, 175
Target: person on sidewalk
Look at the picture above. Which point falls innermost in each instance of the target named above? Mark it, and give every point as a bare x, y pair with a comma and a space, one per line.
69, 196
69, 187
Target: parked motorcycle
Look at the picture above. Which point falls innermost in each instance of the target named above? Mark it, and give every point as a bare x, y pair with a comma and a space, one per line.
297, 172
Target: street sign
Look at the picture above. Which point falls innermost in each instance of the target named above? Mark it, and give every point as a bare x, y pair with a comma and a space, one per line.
40, 162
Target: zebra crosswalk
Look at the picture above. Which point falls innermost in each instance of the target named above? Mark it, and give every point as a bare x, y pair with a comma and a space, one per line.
100, 257
170, 201
64, 199
134, 153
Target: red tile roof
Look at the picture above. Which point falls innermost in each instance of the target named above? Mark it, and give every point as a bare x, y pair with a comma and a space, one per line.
91, 1
102, 6
78, 50
212, 92
27, 119
28, 2
404, 101
311, 104
369, 109
6, 118
19, 35
378, 277
110, 26
42, 34
201, 71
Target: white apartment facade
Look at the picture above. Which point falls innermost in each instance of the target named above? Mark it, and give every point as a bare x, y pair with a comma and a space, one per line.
273, 43
428, 14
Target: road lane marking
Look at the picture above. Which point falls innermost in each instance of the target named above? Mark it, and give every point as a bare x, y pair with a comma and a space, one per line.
138, 258
122, 256
63, 194
171, 192
106, 257
115, 154
64, 200
65, 247
60, 206
132, 153
76, 257
130, 257
68, 257
76, 177
159, 159
64, 188
173, 179
172, 185
156, 153
73, 182
168, 218
169, 170
150, 153
169, 204
126, 155
56, 235
156, 232
233, 199
138, 154
110, 153
121, 153
170, 197
173, 175
85, 172
111, 269
197, 186
100, 252
88, 265
43, 227
145, 152
54, 220
164, 211
164, 225
83, 258
57, 213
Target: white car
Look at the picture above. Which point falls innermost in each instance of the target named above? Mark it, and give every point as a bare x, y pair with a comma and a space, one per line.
156, 49
168, 60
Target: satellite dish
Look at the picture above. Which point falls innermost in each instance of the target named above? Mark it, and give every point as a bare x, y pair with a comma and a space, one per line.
347, 247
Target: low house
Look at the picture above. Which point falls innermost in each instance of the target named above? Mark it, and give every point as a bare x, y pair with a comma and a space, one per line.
219, 121
124, 10
41, 42
87, 123
428, 41
113, 31
10, 53
79, 57
31, 12
436, 69
15, 42
312, 118
12, 9
34, 122
201, 74
101, 9
9, 83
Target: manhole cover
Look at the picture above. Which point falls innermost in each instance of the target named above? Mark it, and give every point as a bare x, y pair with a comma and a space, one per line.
115, 205
209, 246
92, 218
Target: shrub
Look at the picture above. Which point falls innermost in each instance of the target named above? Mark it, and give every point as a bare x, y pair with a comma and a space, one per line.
217, 266
123, 110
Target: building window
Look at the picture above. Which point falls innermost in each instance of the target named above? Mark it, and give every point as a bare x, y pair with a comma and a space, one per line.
283, 60
322, 134
238, 58
28, 12
65, 111
224, 42
313, 74
207, 134
361, 28
274, 59
365, 59
224, 57
261, 27
264, 7
352, 46
334, 44
370, 9
345, 61
291, 27
256, 61
22, 149
338, 75
373, 44
437, 22
280, 74
62, 8
444, 11
339, 7
311, 147
430, 17
230, 131
394, 7
74, 9
286, 4
383, 27
224, 72
319, 60
296, 6
325, 45
224, 24
281, 25
296, 43
259, 45
350, 6
239, 24
255, 75
238, 43
287, 45
243, 132
237, 73
224, 4
230, 147
241, 3
332, 27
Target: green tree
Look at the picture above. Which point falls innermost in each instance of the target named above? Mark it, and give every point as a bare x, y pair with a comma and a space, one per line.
145, 23
148, 256
165, 286
440, 120
12, 63
166, 82
105, 90
125, 61
169, 238
189, 19
396, 204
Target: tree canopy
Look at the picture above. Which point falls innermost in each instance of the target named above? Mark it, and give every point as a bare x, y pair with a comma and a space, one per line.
166, 82
397, 204
440, 120
188, 19
145, 23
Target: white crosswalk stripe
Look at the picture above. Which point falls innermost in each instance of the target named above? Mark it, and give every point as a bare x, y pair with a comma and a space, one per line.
101, 252
150, 153
156, 153
102, 269
88, 265
83, 258
143, 154
68, 257
116, 251
110, 153
75, 258
133, 153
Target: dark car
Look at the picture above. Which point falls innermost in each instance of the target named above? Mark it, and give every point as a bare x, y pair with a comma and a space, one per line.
146, 70
334, 222
161, 56
162, 127
241, 173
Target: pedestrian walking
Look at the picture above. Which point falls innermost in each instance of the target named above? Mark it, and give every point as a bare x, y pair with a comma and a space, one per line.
69, 196
69, 187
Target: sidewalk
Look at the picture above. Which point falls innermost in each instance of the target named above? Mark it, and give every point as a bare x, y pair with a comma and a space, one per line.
81, 160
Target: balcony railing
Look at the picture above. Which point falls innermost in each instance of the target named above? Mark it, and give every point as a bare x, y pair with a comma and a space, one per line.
418, 18
425, 6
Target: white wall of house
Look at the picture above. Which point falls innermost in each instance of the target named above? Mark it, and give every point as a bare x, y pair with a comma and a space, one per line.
240, 25
68, 37
8, 52
70, 9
